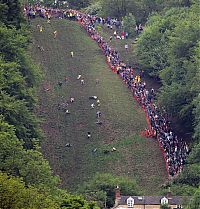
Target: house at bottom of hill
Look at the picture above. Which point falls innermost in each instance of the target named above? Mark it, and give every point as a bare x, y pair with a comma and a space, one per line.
148, 202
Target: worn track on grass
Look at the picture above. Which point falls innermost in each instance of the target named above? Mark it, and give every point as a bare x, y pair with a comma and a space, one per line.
123, 119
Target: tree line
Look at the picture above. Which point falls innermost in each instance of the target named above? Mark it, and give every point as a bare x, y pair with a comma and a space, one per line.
26, 179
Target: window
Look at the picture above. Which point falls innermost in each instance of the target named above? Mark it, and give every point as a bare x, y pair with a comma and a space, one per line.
164, 201
130, 202
179, 206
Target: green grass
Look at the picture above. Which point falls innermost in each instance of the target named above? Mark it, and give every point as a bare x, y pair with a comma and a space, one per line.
123, 119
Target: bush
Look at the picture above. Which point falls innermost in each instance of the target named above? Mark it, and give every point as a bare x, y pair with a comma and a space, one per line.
129, 24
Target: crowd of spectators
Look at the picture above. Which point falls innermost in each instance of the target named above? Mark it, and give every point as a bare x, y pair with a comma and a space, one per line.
175, 150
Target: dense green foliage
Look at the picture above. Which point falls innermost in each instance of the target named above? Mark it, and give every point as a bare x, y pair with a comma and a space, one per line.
141, 9
18, 78
165, 206
13, 157
27, 180
168, 49
102, 188
195, 202
14, 194
78, 4
10, 13
129, 24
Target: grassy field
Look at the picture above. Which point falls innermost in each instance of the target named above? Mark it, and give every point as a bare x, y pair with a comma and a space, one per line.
122, 118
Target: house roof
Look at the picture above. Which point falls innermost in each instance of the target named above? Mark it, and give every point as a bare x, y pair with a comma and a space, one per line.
152, 200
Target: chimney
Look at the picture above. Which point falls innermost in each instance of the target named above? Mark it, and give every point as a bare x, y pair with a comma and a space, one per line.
117, 195
169, 193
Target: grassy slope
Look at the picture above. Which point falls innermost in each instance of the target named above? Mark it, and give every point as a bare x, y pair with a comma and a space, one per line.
123, 120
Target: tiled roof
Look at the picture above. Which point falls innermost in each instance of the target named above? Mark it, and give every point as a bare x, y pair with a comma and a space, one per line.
152, 200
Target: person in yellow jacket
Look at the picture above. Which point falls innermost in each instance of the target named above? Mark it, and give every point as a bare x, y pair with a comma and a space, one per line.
138, 79
41, 29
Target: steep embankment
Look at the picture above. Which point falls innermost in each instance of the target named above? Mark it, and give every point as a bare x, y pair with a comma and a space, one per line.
122, 118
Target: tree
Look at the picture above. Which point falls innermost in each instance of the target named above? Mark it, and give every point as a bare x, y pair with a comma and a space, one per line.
116, 8
102, 188
153, 43
196, 110
14, 194
167, 49
78, 4
94, 8
77, 202
34, 172
11, 13
165, 206
17, 113
13, 157
141, 9
129, 24
195, 202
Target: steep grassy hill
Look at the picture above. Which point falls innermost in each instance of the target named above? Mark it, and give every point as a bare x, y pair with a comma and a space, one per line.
122, 118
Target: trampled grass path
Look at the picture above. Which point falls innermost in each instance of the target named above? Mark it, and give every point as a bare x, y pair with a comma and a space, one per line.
123, 119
